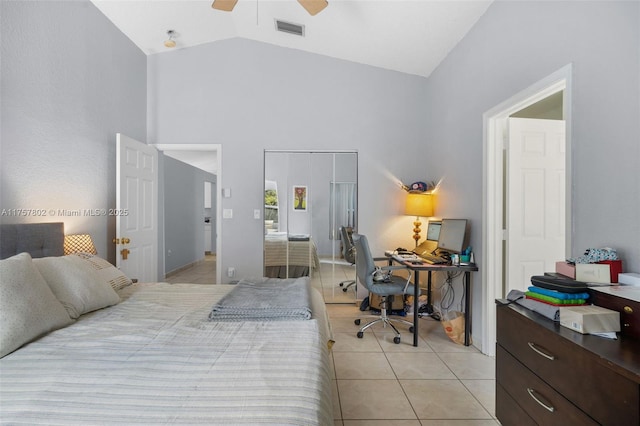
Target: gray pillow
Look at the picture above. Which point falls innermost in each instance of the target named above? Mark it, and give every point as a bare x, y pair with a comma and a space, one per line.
28, 307
76, 284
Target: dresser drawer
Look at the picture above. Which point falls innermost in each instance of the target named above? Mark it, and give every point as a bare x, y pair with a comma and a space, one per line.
539, 400
629, 311
508, 411
571, 370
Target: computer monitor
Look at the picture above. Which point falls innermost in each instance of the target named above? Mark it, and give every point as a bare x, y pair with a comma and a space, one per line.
452, 232
433, 230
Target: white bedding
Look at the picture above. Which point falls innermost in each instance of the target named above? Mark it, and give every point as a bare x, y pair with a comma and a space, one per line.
155, 359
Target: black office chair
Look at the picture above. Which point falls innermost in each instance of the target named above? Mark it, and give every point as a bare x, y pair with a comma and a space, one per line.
379, 280
348, 252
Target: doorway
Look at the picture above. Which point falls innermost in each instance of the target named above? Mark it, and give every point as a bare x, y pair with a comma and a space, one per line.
497, 196
208, 158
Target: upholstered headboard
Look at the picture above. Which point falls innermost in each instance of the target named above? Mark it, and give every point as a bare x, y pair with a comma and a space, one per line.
37, 239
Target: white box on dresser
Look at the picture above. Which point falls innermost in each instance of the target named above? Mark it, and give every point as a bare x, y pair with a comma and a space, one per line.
629, 278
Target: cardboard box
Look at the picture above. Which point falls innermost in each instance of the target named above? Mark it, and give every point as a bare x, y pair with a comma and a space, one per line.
593, 273
396, 305
566, 269
615, 268
589, 319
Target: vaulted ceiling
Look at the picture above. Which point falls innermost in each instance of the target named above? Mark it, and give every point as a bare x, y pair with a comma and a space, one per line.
409, 36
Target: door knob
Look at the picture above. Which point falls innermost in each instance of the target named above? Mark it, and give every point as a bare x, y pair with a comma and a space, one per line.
124, 252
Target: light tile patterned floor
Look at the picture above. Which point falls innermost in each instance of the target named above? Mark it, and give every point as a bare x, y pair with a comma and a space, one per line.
380, 383
203, 272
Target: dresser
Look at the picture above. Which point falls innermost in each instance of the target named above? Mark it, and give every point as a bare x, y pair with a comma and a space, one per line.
549, 375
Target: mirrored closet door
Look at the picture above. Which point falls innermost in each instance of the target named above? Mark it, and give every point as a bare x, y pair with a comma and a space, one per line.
310, 198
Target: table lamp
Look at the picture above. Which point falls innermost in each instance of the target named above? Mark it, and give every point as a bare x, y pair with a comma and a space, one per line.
418, 205
79, 243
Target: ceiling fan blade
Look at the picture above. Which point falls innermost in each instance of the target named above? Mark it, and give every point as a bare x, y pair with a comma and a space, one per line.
226, 5
313, 6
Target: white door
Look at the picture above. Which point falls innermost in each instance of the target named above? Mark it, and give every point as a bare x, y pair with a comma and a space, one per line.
535, 199
137, 211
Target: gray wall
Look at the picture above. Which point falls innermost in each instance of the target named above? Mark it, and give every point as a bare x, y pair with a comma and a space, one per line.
316, 171
514, 45
183, 213
251, 96
70, 81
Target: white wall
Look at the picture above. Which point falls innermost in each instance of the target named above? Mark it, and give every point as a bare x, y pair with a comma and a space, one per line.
70, 81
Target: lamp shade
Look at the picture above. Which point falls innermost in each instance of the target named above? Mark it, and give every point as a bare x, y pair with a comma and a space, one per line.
79, 243
419, 205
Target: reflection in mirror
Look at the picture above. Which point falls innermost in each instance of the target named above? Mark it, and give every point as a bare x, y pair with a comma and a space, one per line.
300, 242
342, 207
271, 210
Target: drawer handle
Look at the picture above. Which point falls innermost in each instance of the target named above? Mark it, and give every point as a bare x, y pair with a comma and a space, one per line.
546, 406
628, 309
539, 352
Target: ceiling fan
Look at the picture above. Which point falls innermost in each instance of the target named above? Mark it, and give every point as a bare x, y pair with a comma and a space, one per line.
312, 6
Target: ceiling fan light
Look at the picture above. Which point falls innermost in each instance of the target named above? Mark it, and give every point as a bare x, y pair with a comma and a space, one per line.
170, 42
314, 6
225, 5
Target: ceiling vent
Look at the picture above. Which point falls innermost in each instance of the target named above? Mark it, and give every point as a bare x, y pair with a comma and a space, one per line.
289, 27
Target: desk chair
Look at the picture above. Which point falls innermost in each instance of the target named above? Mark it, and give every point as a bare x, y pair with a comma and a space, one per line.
348, 252
369, 276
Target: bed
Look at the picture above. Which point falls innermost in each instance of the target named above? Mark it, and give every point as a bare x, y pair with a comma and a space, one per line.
153, 356
297, 251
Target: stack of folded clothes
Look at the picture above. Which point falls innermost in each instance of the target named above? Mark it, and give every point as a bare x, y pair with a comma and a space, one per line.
556, 298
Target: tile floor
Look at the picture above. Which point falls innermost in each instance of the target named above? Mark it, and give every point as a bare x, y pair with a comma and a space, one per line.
379, 383
203, 272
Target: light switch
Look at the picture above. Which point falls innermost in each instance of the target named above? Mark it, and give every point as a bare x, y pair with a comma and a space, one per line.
256, 214
227, 213
226, 192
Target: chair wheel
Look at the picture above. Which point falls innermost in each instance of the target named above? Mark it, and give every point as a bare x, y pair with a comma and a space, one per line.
360, 334
357, 322
411, 329
345, 289
396, 340
341, 284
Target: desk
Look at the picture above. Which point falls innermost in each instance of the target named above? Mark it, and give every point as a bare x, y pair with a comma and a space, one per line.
417, 268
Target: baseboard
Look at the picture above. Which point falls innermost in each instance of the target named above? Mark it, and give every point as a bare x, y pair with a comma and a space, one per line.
182, 268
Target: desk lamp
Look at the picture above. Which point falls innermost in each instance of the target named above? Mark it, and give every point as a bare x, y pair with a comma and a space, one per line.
418, 205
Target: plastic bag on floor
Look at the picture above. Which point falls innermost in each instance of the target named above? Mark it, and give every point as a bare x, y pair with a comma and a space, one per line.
453, 323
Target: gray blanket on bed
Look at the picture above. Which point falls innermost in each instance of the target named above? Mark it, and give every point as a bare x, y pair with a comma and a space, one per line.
265, 299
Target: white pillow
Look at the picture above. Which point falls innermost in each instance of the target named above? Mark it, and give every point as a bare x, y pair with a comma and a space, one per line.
28, 307
106, 271
76, 284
